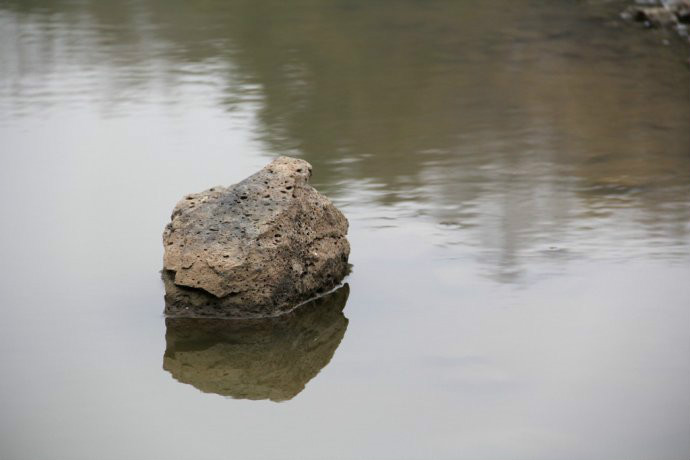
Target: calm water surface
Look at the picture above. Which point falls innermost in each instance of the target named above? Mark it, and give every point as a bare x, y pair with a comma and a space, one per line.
517, 179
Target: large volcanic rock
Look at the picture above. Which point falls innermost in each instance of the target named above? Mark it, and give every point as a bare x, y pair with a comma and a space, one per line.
259, 247
270, 358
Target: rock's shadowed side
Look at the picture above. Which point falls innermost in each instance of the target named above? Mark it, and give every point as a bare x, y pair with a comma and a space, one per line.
259, 247
270, 358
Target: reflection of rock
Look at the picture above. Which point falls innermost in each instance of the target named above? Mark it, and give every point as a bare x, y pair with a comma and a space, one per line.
270, 358
262, 245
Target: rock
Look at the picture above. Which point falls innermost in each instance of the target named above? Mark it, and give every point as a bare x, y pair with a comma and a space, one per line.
653, 16
663, 14
271, 358
682, 11
660, 14
259, 247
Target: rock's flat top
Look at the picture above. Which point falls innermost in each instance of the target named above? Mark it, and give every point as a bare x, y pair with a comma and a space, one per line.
261, 246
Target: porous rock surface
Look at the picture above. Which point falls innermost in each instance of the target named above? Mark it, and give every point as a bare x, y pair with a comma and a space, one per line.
259, 247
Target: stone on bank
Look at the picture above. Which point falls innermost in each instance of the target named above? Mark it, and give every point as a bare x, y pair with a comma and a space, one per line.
254, 249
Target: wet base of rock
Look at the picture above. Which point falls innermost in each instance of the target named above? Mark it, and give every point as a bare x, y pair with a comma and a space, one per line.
184, 302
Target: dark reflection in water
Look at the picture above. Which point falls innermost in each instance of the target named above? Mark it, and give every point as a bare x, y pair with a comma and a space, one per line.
256, 359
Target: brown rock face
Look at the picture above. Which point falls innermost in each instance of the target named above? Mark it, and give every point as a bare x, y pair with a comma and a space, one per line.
259, 247
270, 358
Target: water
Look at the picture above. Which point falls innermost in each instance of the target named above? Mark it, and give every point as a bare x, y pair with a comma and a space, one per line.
517, 179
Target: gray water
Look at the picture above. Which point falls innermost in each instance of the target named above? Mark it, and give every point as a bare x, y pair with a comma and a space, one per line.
517, 179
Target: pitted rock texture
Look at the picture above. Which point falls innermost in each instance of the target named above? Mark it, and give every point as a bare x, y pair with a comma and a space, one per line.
260, 247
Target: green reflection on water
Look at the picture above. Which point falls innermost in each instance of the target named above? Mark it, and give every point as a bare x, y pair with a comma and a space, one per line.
515, 126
